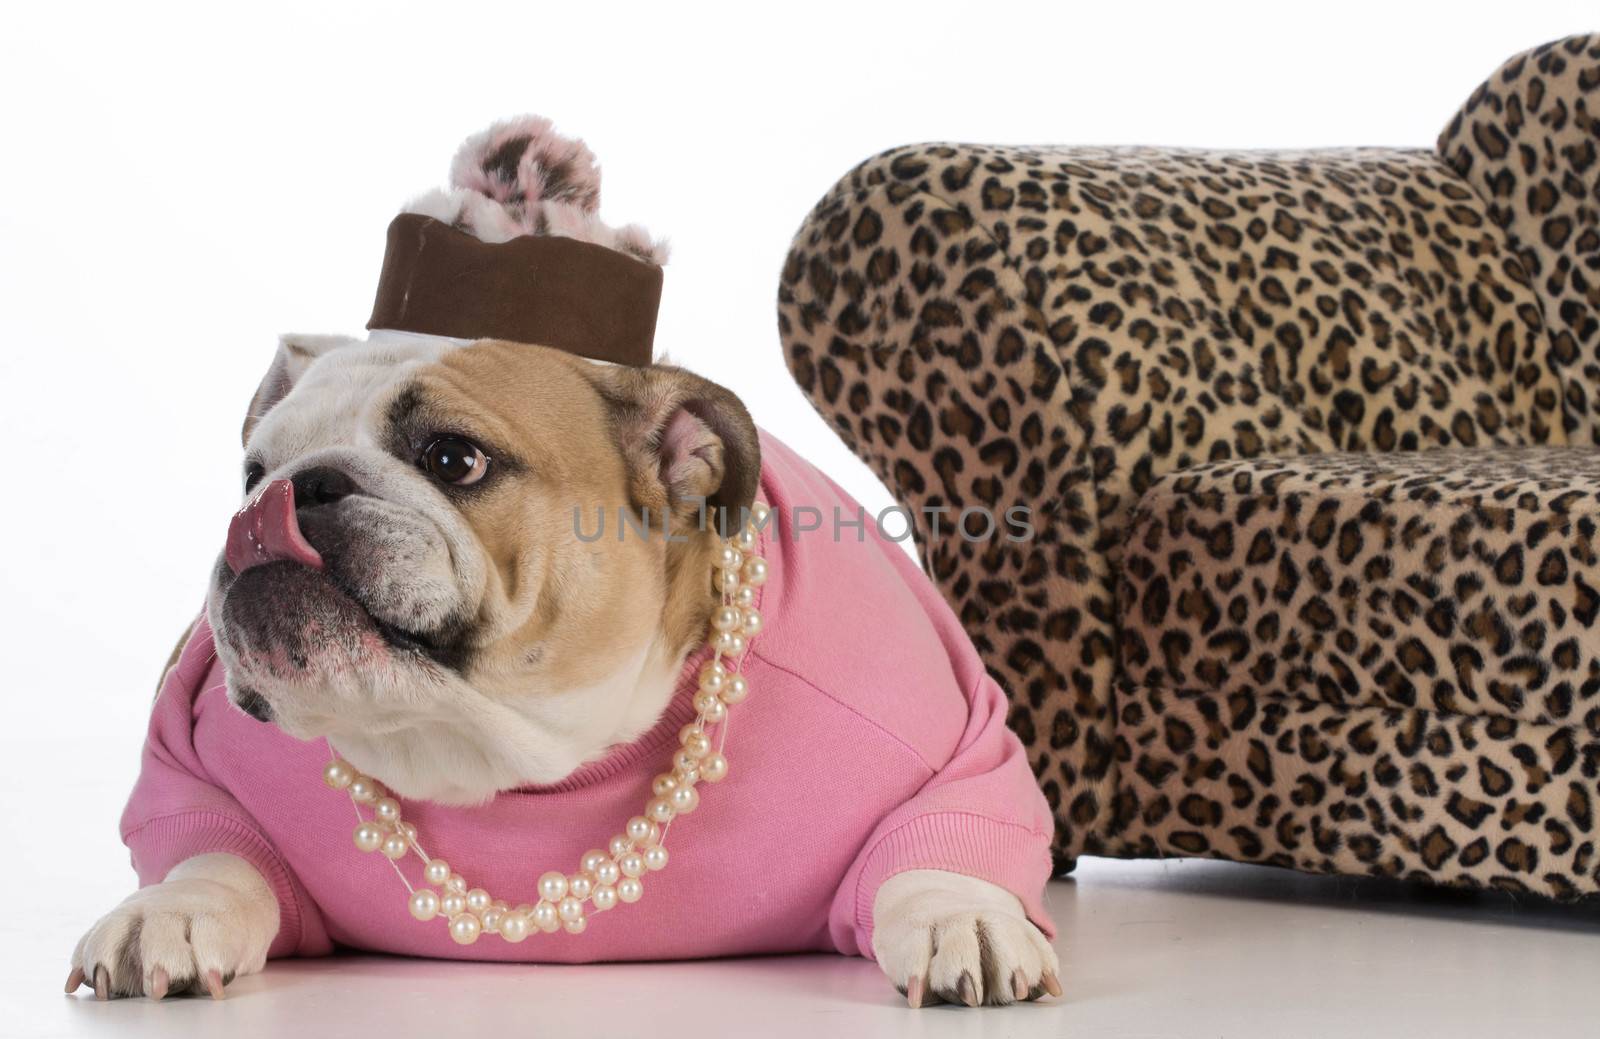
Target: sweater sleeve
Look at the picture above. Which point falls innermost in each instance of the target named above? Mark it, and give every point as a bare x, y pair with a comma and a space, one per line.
981, 814
176, 811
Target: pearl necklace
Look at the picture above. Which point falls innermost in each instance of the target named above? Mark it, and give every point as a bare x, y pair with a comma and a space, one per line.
603, 878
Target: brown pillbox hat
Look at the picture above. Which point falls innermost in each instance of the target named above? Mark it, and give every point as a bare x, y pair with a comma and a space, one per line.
545, 290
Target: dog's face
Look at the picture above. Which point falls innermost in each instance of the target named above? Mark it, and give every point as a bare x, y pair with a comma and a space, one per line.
446, 615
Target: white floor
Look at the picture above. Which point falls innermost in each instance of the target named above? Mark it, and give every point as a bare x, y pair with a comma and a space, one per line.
1177, 948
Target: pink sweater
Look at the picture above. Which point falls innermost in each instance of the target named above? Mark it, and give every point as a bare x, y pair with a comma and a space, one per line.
872, 742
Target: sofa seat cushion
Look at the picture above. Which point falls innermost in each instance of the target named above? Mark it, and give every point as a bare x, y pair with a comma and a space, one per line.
1455, 581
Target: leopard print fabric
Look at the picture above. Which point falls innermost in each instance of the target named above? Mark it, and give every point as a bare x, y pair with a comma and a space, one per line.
1061, 327
1528, 141
1380, 663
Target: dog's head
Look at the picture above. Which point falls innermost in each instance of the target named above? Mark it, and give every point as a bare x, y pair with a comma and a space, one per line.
417, 575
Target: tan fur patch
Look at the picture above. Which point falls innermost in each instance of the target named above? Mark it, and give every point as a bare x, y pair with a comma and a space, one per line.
554, 596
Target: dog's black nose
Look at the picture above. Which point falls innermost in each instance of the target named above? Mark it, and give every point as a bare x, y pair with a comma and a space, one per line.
322, 485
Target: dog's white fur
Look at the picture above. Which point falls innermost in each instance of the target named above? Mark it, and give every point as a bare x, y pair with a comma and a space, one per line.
460, 742
211, 913
926, 924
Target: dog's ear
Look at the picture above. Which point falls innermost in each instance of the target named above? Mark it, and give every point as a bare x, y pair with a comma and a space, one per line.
295, 354
687, 442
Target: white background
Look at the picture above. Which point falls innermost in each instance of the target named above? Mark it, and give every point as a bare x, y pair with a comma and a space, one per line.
178, 186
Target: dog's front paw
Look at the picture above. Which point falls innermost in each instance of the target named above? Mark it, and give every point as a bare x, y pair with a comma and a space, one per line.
945, 936
211, 920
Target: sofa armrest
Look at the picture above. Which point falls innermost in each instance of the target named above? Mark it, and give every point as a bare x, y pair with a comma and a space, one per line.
917, 336
1528, 141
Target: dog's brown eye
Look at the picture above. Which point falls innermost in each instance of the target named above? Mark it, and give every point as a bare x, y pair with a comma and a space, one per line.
454, 460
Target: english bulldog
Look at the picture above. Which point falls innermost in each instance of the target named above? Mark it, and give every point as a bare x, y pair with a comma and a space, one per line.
415, 584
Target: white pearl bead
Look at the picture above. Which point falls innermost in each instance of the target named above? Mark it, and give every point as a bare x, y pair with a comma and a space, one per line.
409, 830
437, 871
456, 884
638, 828
424, 904
338, 774
386, 810
713, 682
606, 873
478, 900
545, 917
735, 690
395, 846
736, 644
689, 731
725, 618
365, 789
577, 926
713, 667
722, 642
755, 572
655, 835
729, 558
744, 596
629, 889
711, 708
760, 512
500, 905
465, 928
553, 886
619, 845
684, 800
751, 623
697, 744
631, 864
590, 863
453, 904
369, 836
687, 766
570, 908
514, 927
655, 859
746, 540
579, 885
713, 768
491, 919
660, 810
726, 581
663, 784
603, 897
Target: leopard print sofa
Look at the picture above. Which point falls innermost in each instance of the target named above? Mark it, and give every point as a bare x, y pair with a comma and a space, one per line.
1308, 439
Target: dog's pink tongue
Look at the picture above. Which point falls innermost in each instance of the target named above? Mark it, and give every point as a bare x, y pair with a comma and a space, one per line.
265, 530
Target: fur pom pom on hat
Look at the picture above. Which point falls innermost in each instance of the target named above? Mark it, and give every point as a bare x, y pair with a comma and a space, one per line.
515, 249
520, 177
